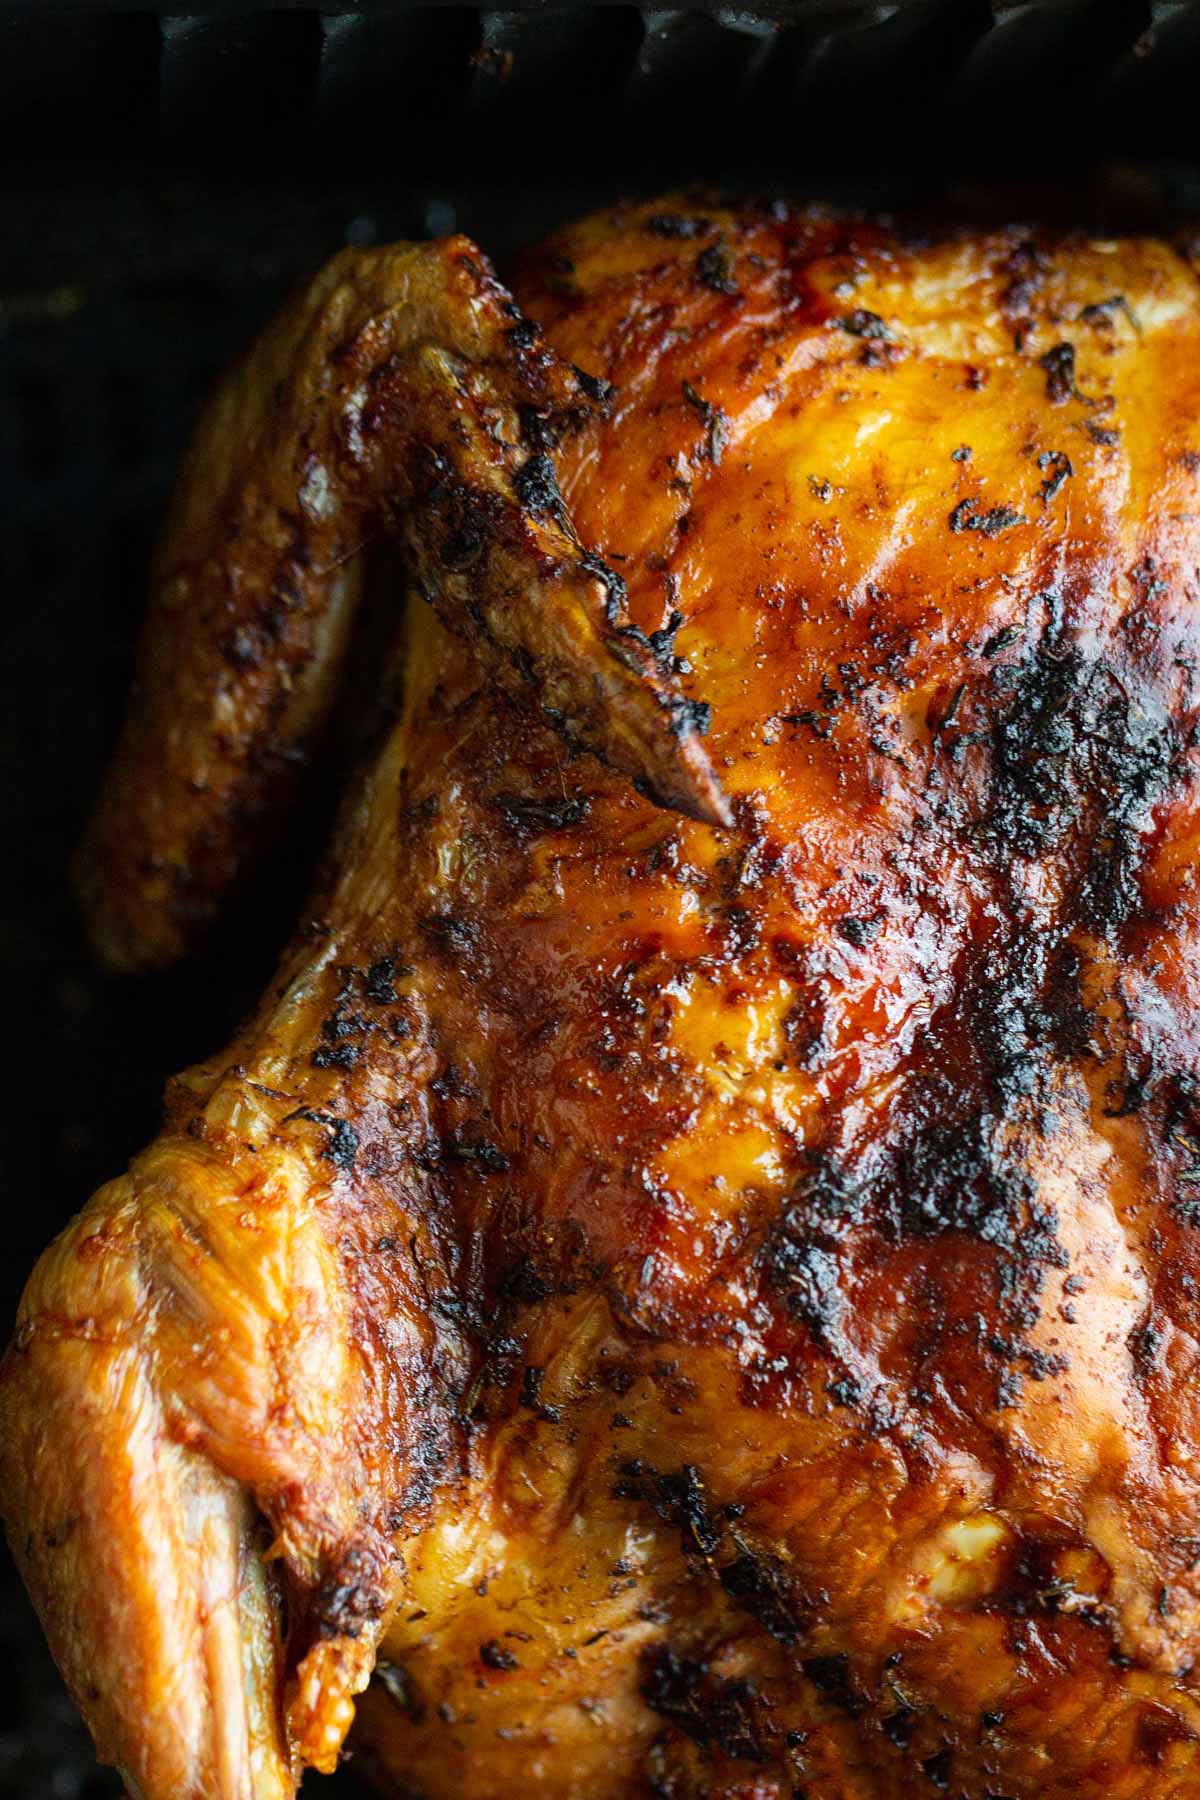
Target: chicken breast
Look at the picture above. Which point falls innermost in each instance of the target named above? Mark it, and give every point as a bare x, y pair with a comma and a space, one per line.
687, 1286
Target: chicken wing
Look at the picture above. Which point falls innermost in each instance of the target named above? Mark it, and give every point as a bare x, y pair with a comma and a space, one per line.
401, 395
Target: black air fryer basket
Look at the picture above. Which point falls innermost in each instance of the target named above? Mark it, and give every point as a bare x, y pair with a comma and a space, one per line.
167, 177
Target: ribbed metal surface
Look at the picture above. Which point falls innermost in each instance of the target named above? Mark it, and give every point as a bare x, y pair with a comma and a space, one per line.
219, 81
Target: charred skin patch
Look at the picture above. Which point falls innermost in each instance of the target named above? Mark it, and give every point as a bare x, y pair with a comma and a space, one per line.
712, 1710
1071, 755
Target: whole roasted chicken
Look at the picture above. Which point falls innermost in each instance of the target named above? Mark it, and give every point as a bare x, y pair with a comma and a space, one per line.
687, 1285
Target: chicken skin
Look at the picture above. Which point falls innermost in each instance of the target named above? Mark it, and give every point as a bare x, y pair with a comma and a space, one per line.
687, 1286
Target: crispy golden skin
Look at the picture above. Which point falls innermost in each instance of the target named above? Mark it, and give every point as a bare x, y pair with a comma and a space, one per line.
707, 1310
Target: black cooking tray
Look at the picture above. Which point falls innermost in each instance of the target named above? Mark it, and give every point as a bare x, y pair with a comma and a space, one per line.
1037, 85
164, 179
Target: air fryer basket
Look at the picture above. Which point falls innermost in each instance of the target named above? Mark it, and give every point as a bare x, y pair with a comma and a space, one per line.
165, 178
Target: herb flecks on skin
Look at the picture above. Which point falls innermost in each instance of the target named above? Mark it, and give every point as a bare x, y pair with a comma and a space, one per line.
966, 516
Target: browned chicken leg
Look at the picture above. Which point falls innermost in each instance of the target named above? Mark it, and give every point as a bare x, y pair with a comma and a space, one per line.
699, 1302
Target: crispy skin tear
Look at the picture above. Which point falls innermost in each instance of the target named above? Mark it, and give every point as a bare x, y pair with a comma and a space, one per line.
401, 394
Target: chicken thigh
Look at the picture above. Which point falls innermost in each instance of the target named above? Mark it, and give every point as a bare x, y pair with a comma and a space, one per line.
687, 1284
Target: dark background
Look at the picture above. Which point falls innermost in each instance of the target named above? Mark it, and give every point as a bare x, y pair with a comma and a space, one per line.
163, 182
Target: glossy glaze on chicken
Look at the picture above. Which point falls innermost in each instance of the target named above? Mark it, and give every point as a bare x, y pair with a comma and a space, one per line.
690, 1274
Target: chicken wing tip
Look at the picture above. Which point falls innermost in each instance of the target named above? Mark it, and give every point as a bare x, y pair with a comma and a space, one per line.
692, 789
